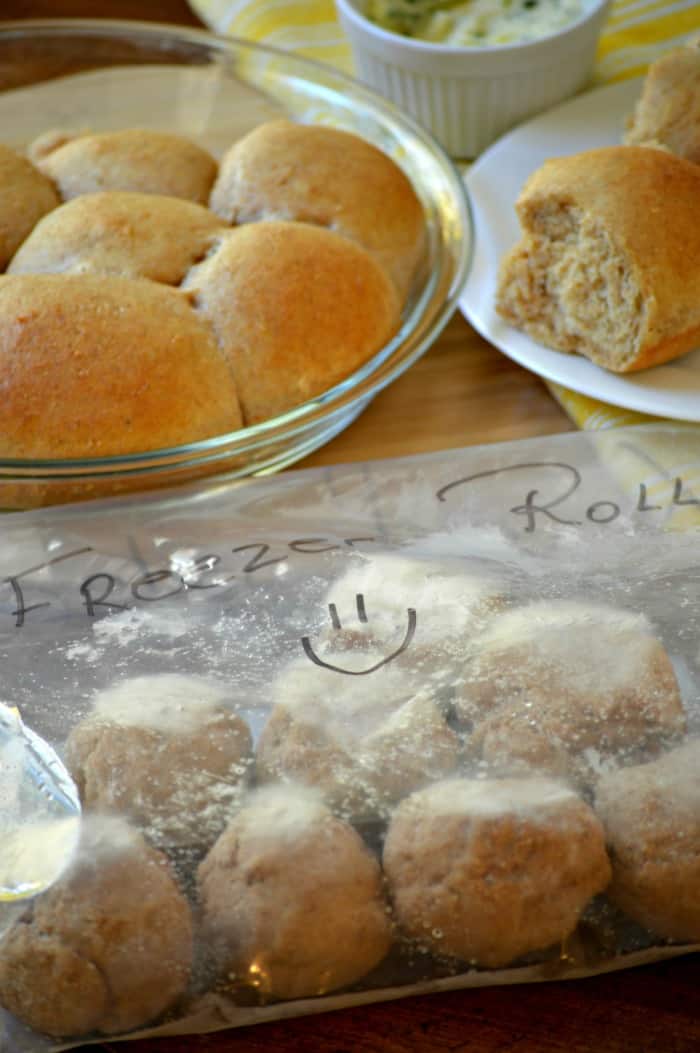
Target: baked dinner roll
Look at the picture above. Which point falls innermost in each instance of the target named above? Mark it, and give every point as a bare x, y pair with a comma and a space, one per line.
651, 815
292, 900
363, 742
317, 174
667, 113
135, 159
25, 196
166, 751
96, 366
489, 870
120, 233
592, 679
609, 262
106, 949
295, 309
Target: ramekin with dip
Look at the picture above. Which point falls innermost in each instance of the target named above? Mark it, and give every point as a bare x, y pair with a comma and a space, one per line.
475, 23
470, 70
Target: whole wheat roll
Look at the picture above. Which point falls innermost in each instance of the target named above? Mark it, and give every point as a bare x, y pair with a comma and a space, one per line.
667, 113
316, 174
608, 265
121, 233
96, 366
99, 359
138, 159
295, 309
25, 196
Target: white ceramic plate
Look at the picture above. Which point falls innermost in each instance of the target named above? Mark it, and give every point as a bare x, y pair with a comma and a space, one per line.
494, 181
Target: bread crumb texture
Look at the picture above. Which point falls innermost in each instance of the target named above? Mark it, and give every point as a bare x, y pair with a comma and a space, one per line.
608, 265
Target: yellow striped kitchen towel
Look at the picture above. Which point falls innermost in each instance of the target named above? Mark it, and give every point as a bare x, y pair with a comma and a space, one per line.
307, 26
637, 32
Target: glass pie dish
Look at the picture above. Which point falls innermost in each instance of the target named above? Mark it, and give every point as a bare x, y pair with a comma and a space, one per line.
105, 75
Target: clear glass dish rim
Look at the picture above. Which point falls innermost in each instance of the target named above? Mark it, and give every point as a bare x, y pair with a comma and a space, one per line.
361, 385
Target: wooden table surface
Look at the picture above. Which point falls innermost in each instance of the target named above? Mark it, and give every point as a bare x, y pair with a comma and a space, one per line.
461, 393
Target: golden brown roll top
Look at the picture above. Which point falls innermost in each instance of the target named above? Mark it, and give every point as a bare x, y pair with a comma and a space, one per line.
609, 262
98, 359
120, 233
295, 309
325, 176
141, 160
95, 366
25, 196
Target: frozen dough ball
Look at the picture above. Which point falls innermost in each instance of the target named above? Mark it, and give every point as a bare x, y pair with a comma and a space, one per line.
291, 898
168, 751
651, 815
590, 678
25, 196
490, 870
362, 741
120, 233
450, 605
137, 159
108, 948
505, 744
329, 177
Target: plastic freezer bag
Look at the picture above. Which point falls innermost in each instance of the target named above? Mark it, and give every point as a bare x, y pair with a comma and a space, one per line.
349, 734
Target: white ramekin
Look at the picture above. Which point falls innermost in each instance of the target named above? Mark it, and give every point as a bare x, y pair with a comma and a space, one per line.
468, 97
